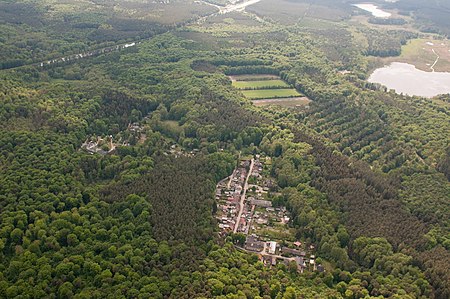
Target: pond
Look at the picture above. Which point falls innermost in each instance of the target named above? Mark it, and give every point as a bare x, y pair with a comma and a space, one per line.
374, 10
407, 79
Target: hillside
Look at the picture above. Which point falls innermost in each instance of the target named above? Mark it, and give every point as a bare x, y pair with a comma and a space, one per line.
154, 171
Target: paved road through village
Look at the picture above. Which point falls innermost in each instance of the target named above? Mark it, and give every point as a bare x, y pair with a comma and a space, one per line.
241, 204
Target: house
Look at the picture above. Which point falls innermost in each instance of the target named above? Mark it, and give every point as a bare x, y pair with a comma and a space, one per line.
252, 244
320, 268
274, 261
272, 247
300, 262
261, 221
293, 251
260, 203
135, 127
267, 260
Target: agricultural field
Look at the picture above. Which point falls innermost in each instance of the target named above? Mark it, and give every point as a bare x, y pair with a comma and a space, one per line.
263, 86
270, 93
246, 85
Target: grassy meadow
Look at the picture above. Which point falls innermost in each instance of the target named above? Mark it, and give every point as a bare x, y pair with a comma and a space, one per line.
263, 86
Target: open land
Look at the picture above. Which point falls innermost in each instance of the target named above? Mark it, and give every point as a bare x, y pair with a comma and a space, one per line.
426, 54
423, 54
289, 12
263, 86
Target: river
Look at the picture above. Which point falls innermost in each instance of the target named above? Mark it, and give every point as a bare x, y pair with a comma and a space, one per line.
407, 79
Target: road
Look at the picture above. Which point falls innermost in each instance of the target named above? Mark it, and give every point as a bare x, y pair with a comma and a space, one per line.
241, 203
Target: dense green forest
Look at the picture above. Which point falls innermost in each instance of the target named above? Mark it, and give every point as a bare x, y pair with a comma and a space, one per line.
363, 172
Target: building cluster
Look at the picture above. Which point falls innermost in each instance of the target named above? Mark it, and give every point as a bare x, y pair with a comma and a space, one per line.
177, 152
100, 145
244, 207
103, 146
135, 128
268, 215
271, 253
228, 195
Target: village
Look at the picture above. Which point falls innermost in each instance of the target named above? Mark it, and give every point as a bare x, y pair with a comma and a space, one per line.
135, 133
107, 145
244, 204
244, 207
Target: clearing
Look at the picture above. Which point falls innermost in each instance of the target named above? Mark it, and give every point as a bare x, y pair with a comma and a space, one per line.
423, 53
263, 86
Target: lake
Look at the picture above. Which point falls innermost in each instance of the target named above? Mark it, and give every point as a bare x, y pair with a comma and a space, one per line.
405, 78
374, 10
237, 6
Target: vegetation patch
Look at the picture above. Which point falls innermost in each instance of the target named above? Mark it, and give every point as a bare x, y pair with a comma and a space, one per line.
290, 12
284, 102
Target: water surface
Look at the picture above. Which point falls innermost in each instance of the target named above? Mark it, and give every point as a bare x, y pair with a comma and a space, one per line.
405, 78
237, 6
374, 10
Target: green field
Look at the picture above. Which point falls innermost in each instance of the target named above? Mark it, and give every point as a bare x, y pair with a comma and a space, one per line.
259, 84
270, 93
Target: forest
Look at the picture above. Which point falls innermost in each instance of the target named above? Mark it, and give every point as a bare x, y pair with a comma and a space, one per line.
109, 164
